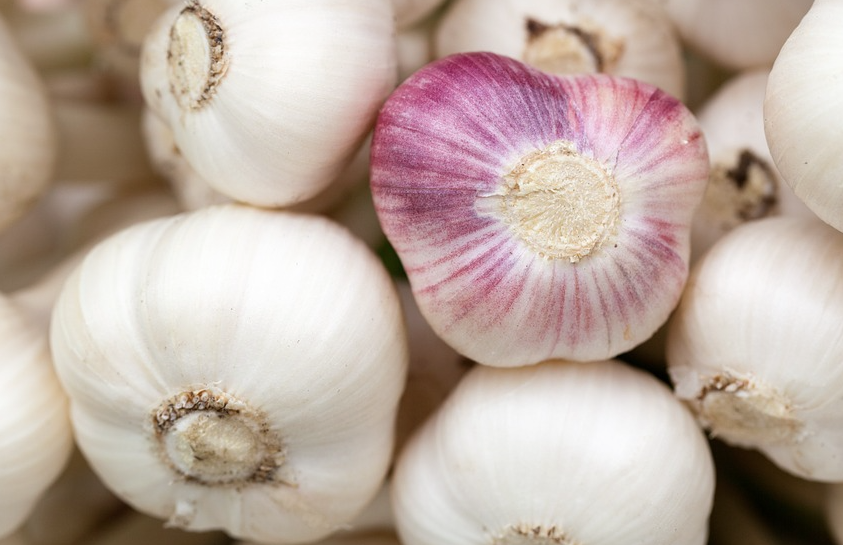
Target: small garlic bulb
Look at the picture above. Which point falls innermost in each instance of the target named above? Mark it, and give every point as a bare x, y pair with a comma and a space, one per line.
803, 108
235, 368
28, 153
632, 38
35, 433
756, 343
744, 184
556, 453
738, 35
537, 217
269, 101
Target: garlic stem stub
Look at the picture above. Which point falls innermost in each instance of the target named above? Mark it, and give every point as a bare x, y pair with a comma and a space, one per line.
756, 344
559, 453
235, 368
803, 108
269, 101
631, 38
537, 216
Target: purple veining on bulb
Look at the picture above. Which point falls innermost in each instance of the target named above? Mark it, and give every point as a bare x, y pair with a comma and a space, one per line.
443, 142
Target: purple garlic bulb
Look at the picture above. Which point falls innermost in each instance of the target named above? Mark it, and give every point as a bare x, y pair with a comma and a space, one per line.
537, 216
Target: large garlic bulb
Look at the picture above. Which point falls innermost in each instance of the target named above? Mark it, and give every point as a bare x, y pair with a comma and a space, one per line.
269, 101
536, 216
556, 453
632, 38
803, 109
35, 433
28, 153
756, 344
235, 368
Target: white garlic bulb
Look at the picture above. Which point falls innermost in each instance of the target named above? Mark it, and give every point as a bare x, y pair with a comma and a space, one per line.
803, 108
558, 452
756, 343
28, 153
736, 34
235, 368
632, 38
744, 184
269, 101
35, 433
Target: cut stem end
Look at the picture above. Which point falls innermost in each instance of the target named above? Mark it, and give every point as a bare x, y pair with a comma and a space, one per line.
561, 204
197, 56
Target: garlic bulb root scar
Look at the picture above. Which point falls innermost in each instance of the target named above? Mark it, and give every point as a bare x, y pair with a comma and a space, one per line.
526, 534
197, 57
561, 204
742, 409
743, 190
209, 437
567, 49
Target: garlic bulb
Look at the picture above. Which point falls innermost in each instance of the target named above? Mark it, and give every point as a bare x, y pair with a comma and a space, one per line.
755, 345
250, 90
737, 35
234, 368
28, 154
802, 109
744, 184
556, 453
537, 216
632, 38
35, 434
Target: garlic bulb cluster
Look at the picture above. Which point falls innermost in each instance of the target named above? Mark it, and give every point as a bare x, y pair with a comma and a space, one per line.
35, 433
28, 153
250, 90
737, 35
234, 368
756, 343
802, 109
556, 453
632, 38
536, 216
744, 184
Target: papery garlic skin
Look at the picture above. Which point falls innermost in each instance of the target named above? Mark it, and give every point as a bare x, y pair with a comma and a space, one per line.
35, 433
250, 90
744, 184
556, 453
632, 38
756, 343
28, 154
736, 35
537, 217
803, 108
278, 331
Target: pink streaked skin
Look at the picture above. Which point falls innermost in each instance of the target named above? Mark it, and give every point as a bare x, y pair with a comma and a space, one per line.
442, 144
